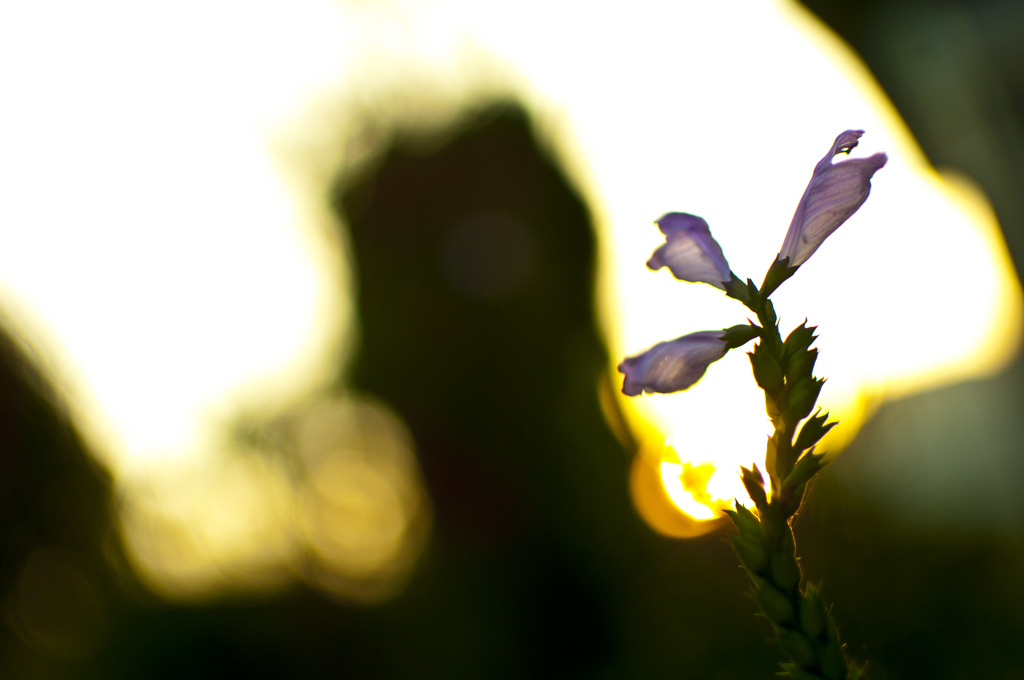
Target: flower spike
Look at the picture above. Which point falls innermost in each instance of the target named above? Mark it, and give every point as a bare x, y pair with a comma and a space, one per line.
784, 369
673, 365
835, 192
689, 251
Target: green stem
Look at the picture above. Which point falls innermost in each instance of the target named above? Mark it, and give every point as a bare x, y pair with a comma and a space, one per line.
803, 627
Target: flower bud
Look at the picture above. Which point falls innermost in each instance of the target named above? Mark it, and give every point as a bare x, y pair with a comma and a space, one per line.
785, 570
808, 466
801, 399
775, 605
801, 364
831, 659
800, 338
812, 431
813, 617
797, 647
739, 335
767, 372
751, 552
754, 484
745, 521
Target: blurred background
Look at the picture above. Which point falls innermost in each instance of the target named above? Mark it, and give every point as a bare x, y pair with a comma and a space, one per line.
310, 314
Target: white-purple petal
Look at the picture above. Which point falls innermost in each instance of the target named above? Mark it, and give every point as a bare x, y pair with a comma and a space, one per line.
673, 365
835, 192
689, 251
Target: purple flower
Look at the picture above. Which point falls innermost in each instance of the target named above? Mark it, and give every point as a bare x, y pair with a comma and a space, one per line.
673, 365
833, 194
690, 252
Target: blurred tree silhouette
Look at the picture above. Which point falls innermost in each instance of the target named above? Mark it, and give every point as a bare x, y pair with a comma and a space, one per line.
475, 297
55, 507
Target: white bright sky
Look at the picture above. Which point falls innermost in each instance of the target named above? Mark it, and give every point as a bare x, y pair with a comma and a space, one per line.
160, 248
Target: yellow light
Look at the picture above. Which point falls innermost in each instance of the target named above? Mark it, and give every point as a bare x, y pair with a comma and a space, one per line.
363, 513
683, 496
226, 529
348, 515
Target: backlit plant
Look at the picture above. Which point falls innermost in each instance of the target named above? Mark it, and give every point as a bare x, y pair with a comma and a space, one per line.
783, 369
